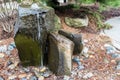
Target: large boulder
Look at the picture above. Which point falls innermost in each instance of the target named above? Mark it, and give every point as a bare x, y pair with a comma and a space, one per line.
31, 31
76, 38
60, 54
76, 22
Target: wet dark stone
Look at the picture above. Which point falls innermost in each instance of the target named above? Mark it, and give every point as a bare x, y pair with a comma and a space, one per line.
76, 38
60, 54
31, 34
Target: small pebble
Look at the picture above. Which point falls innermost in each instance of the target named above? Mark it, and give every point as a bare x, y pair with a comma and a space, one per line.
118, 67
1, 78
3, 49
26, 70
46, 74
1, 55
9, 62
85, 52
66, 77
22, 75
8, 52
33, 78
81, 67
43, 69
110, 49
88, 75
40, 78
85, 40
12, 77
12, 66
11, 46
23, 78
115, 55
76, 59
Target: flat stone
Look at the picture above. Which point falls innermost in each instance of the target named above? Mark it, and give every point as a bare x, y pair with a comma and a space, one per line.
1, 55
80, 67
109, 48
76, 59
43, 69
66, 77
23, 78
46, 74
1, 78
33, 78
118, 67
88, 75
115, 55
3, 48
12, 66
22, 75
85, 52
12, 77
40, 78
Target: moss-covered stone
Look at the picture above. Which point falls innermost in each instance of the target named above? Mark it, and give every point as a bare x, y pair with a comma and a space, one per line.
57, 23
29, 50
76, 22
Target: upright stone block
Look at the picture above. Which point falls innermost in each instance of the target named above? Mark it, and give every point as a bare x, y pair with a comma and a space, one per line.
60, 54
34, 23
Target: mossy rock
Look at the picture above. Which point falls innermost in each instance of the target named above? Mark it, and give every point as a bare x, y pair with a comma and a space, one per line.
29, 50
76, 22
57, 23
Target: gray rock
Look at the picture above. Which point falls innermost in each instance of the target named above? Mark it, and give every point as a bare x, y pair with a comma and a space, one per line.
80, 67
76, 59
115, 55
109, 49
76, 38
12, 77
76, 22
88, 75
60, 54
1, 78
3, 48
73, 73
85, 52
23, 79
33, 78
66, 77
26, 70
8, 52
118, 67
2, 55
9, 62
11, 46
46, 74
